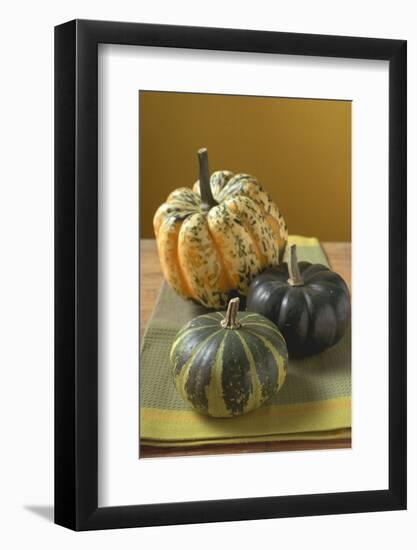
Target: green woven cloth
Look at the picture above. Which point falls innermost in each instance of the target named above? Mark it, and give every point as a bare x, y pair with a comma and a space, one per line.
314, 400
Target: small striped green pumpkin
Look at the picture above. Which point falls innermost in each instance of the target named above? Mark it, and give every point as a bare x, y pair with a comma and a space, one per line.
228, 363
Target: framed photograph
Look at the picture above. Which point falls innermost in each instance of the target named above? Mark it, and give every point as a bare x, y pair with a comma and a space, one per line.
230, 254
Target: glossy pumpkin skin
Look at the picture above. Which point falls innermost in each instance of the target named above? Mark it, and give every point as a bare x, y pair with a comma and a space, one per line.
311, 317
224, 372
210, 254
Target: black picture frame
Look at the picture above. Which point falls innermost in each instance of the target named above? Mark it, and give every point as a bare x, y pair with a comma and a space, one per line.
76, 272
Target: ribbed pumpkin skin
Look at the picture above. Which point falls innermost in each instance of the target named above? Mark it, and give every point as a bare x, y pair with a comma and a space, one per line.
208, 255
225, 372
312, 317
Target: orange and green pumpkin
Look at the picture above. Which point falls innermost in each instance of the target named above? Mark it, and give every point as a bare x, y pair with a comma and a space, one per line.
215, 238
226, 364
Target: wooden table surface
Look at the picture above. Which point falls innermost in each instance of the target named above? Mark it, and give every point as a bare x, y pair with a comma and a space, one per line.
151, 278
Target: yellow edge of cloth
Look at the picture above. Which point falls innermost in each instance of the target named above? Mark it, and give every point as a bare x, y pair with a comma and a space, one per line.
303, 241
170, 425
330, 435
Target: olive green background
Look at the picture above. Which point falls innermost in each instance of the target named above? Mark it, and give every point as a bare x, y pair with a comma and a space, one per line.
299, 149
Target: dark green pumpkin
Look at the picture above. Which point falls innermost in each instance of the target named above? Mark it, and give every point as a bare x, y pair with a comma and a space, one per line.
309, 303
228, 363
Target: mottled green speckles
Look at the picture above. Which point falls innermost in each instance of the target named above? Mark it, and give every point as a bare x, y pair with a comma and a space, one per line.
236, 379
200, 373
207, 254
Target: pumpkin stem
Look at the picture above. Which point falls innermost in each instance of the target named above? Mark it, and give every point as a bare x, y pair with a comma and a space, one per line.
230, 320
207, 199
293, 269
